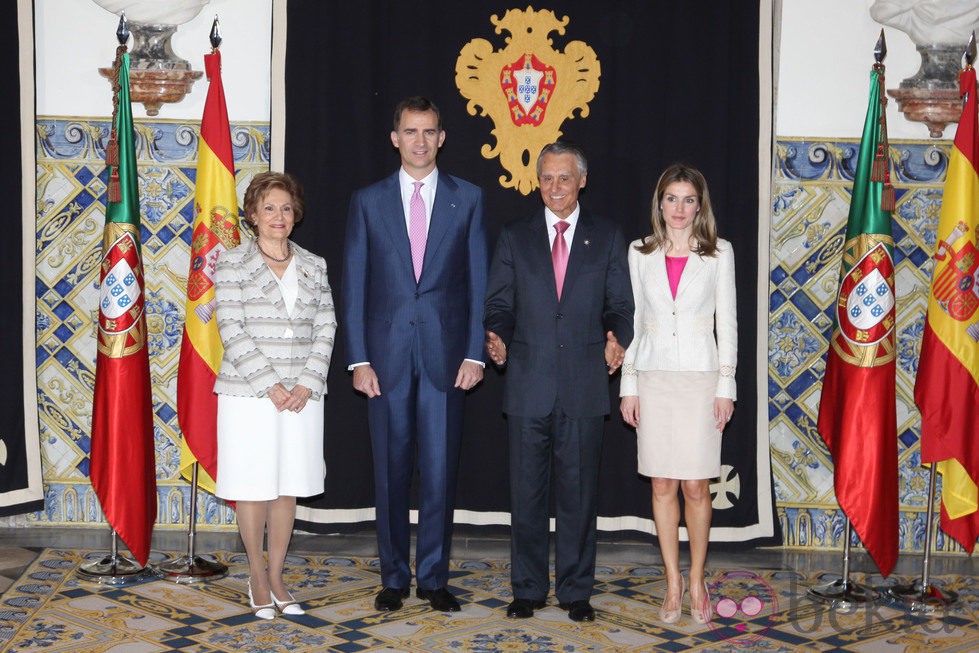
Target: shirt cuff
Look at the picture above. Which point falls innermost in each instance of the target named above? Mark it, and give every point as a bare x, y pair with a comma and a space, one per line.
350, 368
480, 363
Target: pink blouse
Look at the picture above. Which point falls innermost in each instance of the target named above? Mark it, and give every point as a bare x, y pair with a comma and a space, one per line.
674, 268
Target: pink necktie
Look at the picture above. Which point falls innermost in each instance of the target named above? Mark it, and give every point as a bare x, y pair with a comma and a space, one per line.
559, 255
417, 233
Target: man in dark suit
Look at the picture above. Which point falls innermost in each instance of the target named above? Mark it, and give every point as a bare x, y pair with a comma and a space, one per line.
559, 313
414, 282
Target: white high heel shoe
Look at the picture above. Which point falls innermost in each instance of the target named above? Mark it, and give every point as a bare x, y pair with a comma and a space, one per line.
291, 606
261, 611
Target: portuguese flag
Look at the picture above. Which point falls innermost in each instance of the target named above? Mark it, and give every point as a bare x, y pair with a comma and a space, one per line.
857, 409
215, 230
947, 386
123, 466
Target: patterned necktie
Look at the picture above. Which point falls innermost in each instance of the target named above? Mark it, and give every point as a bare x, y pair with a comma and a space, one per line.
417, 233
559, 255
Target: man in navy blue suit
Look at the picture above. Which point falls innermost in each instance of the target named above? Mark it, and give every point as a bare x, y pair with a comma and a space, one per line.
559, 310
414, 283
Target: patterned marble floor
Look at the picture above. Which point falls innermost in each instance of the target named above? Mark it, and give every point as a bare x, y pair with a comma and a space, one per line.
47, 608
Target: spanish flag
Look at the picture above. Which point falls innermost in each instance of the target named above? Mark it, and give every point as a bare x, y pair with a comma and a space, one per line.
215, 230
123, 463
858, 406
947, 386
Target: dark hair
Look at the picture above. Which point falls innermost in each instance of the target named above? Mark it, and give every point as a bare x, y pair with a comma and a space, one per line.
704, 236
264, 182
564, 147
416, 103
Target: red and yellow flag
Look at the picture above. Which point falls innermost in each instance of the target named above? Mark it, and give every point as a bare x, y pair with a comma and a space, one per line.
123, 463
858, 406
947, 386
215, 230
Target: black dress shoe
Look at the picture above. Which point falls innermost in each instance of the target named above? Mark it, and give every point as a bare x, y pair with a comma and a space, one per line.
579, 610
440, 599
390, 599
523, 608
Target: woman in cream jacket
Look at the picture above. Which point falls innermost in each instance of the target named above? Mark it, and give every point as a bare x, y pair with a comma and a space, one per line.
277, 323
678, 387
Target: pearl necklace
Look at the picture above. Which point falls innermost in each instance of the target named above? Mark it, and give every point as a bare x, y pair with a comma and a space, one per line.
277, 260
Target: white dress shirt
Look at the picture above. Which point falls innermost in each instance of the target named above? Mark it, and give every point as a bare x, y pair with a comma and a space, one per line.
572, 221
427, 191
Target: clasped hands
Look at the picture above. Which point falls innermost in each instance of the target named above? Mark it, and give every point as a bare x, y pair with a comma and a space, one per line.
365, 378
294, 400
614, 353
723, 410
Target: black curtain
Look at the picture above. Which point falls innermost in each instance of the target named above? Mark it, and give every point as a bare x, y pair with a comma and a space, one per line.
13, 461
679, 81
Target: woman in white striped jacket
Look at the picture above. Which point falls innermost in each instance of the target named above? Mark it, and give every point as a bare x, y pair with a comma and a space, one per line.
277, 323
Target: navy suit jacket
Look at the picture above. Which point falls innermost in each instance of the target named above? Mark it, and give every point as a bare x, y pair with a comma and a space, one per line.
385, 312
556, 349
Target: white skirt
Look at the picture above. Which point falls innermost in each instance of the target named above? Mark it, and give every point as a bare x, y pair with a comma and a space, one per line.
264, 454
678, 436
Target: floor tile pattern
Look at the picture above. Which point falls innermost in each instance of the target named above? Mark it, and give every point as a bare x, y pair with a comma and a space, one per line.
48, 609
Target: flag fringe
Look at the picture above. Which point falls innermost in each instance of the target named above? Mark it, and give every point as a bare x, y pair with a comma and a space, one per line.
113, 191
880, 169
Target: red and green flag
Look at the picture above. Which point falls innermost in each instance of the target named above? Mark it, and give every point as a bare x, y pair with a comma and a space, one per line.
947, 386
215, 230
857, 410
123, 465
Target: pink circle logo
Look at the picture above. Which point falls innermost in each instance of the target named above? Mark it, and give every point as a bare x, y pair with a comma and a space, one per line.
744, 606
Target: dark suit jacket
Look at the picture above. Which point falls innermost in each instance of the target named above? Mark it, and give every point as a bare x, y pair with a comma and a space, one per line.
384, 311
556, 350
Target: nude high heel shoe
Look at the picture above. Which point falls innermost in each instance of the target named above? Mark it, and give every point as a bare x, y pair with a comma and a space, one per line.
261, 611
701, 614
671, 616
289, 606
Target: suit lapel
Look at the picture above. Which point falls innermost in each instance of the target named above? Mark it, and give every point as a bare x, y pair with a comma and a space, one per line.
305, 275
395, 221
581, 245
694, 267
539, 244
444, 214
658, 281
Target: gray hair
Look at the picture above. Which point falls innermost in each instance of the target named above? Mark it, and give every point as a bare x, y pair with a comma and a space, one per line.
564, 147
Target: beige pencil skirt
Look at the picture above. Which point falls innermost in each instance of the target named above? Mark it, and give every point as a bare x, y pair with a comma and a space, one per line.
677, 434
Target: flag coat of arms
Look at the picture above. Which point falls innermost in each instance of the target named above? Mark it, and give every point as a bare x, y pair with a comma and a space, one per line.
123, 465
858, 409
215, 230
946, 388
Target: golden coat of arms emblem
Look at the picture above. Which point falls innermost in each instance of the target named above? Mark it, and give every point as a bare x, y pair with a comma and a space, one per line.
528, 89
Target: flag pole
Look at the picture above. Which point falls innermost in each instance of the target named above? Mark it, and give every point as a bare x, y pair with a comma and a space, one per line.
861, 352
843, 593
192, 568
921, 597
114, 569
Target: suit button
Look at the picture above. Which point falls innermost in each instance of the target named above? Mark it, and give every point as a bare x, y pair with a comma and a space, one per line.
559, 316
412, 323
560, 346
417, 295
